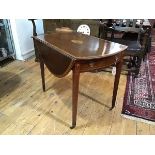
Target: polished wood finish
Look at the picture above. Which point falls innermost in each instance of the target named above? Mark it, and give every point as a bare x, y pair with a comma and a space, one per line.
65, 51
25, 110
75, 90
116, 82
79, 46
90, 65
42, 73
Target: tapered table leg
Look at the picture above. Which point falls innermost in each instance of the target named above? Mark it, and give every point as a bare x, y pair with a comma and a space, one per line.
42, 74
116, 82
75, 89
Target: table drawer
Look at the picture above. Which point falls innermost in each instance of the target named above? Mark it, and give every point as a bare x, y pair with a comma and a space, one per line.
90, 65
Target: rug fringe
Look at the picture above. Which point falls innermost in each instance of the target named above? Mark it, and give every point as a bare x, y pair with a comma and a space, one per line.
138, 119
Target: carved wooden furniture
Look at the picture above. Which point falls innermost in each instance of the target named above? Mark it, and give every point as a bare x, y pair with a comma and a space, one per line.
35, 34
127, 27
51, 25
65, 51
105, 27
133, 33
137, 40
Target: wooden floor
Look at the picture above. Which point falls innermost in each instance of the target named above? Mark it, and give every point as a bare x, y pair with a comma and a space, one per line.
26, 109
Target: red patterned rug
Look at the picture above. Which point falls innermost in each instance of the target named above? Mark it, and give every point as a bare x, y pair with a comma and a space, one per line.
139, 98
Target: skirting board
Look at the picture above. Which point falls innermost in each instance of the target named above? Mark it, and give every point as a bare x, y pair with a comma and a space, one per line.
28, 54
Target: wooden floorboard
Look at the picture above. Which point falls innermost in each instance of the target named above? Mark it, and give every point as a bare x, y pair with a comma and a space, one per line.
26, 109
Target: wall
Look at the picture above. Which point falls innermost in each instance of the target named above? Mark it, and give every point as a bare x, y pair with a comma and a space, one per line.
22, 31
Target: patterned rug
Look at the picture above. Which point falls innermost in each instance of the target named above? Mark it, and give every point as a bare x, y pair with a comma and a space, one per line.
139, 98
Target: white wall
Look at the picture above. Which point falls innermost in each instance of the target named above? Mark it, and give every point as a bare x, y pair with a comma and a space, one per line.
22, 30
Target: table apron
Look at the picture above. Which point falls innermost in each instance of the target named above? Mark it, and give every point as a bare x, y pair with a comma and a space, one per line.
90, 65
